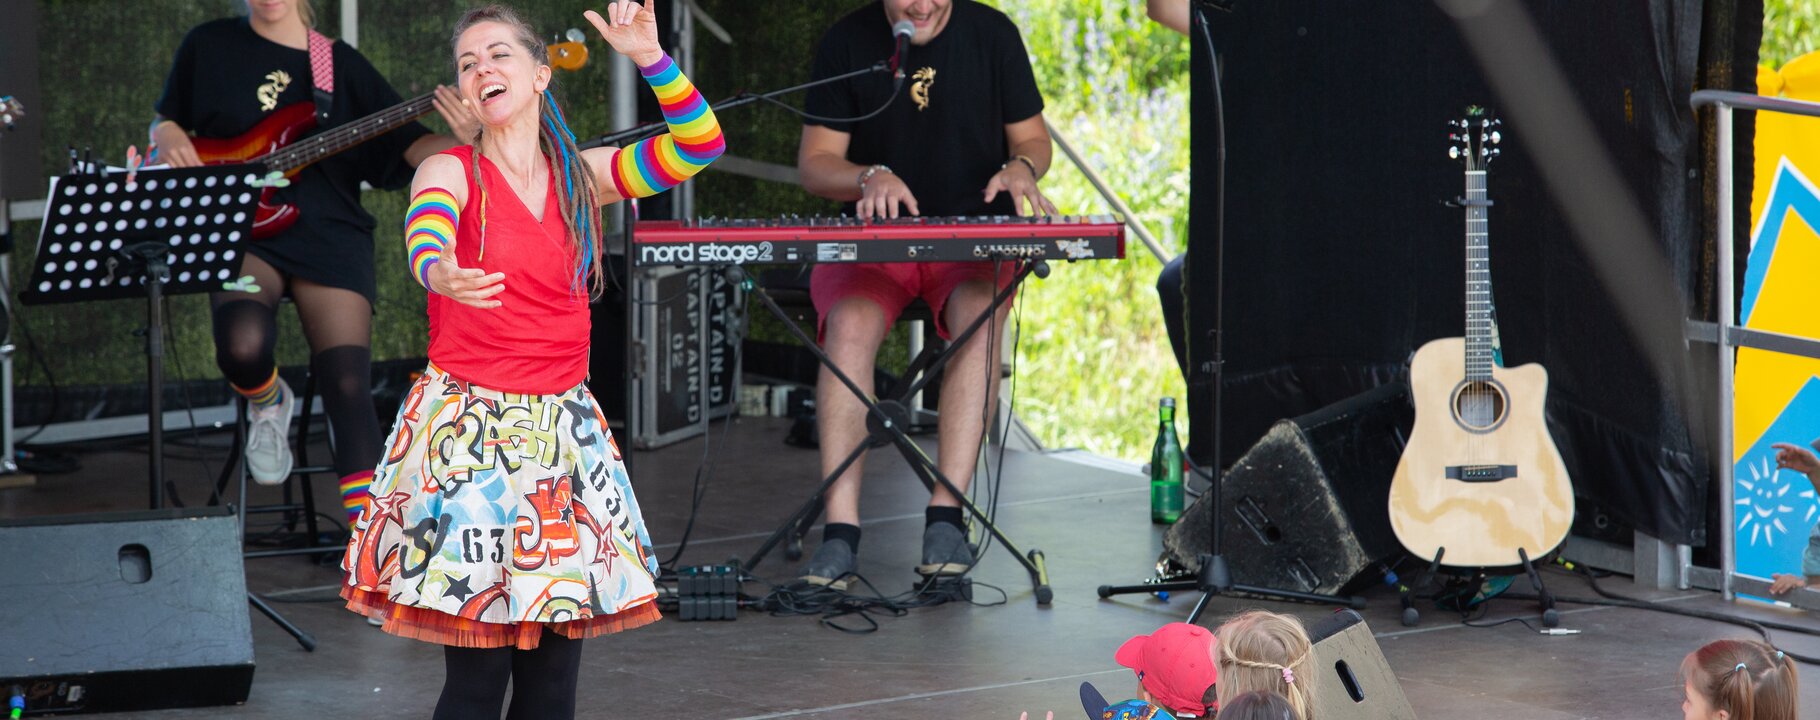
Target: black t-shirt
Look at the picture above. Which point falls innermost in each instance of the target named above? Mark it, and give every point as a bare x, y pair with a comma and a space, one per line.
944, 135
226, 78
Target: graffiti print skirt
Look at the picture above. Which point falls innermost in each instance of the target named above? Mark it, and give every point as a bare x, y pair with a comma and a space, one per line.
497, 515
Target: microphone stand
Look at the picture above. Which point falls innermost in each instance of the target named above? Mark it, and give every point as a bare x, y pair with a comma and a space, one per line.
640, 132
1215, 578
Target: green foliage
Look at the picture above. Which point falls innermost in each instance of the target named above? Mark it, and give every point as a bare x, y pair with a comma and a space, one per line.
1094, 357
1791, 28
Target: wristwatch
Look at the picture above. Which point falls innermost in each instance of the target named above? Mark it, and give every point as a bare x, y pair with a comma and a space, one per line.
867, 174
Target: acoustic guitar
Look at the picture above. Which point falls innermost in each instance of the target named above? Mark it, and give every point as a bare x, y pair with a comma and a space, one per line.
1480, 484
279, 144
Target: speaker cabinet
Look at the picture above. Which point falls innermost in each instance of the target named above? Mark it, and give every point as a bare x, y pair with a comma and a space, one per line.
1306, 508
125, 611
1356, 682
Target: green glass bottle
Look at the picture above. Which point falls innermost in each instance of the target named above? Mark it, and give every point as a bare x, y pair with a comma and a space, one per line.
1166, 496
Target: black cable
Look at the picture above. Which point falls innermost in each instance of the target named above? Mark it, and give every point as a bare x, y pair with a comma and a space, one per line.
830, 606
1611, 599
897, 84
702, 469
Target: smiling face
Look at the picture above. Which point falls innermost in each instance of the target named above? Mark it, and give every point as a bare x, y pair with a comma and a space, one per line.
497, 75
272, 12
929, 16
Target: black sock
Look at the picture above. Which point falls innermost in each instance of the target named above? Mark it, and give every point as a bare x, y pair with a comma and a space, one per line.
842, 531
944, 514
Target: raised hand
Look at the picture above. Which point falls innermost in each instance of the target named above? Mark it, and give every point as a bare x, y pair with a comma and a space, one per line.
468, 286
1796, 458
464, 125
631, 28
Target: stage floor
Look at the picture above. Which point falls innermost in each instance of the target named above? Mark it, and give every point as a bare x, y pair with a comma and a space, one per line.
1090, 518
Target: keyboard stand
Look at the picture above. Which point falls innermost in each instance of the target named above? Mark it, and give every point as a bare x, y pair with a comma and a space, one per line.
888, 420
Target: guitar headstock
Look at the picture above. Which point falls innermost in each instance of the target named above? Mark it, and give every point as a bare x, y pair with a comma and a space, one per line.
1473, 139
570, 55
10, 111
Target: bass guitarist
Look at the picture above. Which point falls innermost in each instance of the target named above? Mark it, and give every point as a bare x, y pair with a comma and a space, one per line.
228, 75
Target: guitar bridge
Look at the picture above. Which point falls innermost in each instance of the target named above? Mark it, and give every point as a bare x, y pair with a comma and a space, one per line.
1481, 473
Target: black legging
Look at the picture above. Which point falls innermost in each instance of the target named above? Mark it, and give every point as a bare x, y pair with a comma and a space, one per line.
337, 323
543, 681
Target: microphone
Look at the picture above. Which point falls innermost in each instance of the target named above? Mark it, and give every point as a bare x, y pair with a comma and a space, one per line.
902, 31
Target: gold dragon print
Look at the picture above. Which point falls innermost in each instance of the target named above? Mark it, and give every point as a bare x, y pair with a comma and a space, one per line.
269, 92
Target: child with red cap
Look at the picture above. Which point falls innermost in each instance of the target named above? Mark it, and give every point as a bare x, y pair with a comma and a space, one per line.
1176, 671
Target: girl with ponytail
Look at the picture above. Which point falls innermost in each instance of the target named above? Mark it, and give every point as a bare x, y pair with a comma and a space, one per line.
503, 525
1739, 680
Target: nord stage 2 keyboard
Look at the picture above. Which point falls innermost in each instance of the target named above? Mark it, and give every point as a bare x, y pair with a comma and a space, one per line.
908, 239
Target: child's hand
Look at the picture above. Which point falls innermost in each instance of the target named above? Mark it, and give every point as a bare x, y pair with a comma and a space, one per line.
1783, 583
1796, 458
1026, 716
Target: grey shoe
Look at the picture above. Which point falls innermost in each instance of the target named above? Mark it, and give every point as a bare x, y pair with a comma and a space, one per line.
268, 440
832, 566
945, 551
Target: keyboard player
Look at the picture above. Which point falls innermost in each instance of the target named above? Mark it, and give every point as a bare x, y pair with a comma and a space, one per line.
965, 137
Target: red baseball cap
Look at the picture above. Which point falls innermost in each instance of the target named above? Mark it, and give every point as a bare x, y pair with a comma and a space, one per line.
1175, 665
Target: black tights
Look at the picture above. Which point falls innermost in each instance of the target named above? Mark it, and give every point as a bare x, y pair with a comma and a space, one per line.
337, 323
543, 681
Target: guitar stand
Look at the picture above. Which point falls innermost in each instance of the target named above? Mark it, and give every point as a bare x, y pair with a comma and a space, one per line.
1545, 601
887, 421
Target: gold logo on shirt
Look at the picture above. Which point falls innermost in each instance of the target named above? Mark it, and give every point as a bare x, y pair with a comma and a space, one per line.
269, 92
919, 90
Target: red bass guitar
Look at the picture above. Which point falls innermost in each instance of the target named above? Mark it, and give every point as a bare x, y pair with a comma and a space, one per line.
278, 142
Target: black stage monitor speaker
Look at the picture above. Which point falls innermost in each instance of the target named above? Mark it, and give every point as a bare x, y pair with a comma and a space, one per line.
1307, 507
1356, 682
124, 611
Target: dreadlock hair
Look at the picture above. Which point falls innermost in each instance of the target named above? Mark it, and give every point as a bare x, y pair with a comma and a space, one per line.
1748, 679
575, 188
1261, 650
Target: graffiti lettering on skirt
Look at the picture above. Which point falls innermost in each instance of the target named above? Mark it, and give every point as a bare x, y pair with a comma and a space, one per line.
474, 546
551, 534
483, 431
598, 476
427, 539
580, 413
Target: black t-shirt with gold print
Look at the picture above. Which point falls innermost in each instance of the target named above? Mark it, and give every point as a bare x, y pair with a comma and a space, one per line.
944, 135
226, 78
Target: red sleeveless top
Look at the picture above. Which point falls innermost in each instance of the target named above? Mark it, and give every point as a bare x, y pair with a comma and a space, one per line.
536, 341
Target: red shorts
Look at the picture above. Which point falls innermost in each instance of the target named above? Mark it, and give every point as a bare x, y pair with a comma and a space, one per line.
892, 286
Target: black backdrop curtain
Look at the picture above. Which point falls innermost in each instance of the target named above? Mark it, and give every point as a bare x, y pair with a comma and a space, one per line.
1342, 258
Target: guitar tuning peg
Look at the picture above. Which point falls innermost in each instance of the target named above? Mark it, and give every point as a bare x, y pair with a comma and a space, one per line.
575, 35
1496, 137
1453, 152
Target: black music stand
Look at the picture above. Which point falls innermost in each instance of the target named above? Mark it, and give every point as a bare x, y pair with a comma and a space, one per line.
166, 232
888, 421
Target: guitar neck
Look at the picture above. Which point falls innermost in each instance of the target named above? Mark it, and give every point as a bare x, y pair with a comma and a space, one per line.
1478, 280
297, 156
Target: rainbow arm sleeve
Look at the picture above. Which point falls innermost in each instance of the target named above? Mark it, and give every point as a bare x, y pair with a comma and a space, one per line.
654, 165
429, 227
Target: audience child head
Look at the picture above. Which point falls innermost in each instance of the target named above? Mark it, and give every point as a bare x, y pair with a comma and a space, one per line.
1258, 705
1260, 650
1175, 667
1738, 680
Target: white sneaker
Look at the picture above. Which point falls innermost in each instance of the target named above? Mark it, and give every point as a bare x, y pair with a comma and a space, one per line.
268, 447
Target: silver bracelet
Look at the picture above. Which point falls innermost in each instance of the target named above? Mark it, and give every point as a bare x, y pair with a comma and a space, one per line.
867, 174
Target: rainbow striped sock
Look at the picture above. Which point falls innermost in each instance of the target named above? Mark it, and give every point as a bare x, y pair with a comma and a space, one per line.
266, 395
354, 493
654, 165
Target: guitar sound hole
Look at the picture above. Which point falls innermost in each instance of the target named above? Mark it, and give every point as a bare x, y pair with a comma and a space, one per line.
1479, 405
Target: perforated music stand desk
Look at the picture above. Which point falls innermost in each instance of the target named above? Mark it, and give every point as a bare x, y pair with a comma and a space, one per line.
170, 232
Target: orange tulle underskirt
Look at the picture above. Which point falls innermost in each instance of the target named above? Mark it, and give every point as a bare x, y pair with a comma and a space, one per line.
444, 629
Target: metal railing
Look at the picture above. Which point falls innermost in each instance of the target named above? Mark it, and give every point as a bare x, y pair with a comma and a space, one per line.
1727, 335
